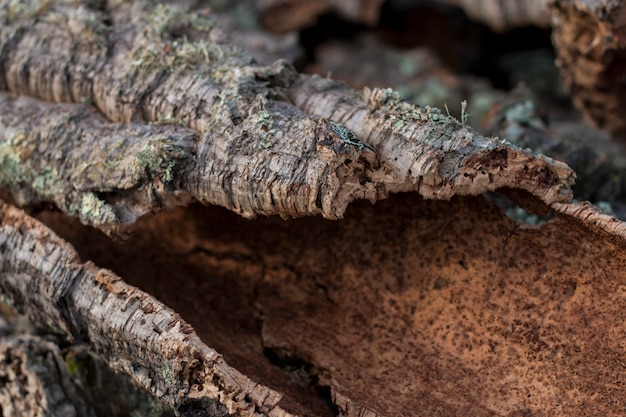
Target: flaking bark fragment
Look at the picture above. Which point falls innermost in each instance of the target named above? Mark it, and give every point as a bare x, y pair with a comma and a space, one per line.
43, 277
589, 38
192, 117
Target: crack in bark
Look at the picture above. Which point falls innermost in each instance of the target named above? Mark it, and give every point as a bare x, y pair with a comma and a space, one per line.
233, 139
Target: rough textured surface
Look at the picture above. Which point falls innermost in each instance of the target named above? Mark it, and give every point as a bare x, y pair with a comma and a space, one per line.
446, 307
589, 38
254, 139
500, 15
432, 301
286, 15
44, 278
503, 15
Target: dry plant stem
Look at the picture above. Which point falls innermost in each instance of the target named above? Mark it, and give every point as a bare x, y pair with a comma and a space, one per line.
44, 278
256, 140
591, 44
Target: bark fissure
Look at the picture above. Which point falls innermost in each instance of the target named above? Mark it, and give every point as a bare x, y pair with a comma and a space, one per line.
191, 117
60, 293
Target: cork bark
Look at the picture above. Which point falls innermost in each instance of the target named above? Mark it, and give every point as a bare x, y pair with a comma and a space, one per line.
254, 139
449, 307
286, 15
432, 300
43, 276
589, 39
505, 15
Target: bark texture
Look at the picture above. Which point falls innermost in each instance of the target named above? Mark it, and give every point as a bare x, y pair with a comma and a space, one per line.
44, 278
26, 393
254, 139
418, 299
500, 15
589, 38
113, 110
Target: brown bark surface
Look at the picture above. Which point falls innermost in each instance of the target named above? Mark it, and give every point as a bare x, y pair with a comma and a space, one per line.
254, 139
432, 303
286, 15
446, 307
500, 15
589, 38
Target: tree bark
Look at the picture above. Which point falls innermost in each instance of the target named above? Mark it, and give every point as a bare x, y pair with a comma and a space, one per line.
33, 382
287, 15
45, 279
254, 139
347, 315
588, 36
505, 15
113, 110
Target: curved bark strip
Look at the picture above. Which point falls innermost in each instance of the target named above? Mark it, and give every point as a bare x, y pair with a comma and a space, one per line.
43, 277
449, 308
429, 152
268, 140
591, 46
106, 174
593, 218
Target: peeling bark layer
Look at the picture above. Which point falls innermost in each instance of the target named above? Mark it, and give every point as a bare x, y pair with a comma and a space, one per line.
254, 139
500, 15
590, 42
445, 307
44, 278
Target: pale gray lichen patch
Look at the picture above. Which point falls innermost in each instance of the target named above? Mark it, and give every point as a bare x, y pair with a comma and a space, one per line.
158, 157
11, 169
93, 210
24, 9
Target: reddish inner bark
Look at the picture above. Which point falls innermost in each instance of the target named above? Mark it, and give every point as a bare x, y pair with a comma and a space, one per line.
448, 308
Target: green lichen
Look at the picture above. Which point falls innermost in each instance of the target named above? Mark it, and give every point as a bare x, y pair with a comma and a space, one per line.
522, 112
11, 165
202, 22
25, 9
156, 157
91, 207
76, 367
163, 19
162, 48
264, 125
84, 24
46, 181
409, 66
168, 378
432, 92
244, 16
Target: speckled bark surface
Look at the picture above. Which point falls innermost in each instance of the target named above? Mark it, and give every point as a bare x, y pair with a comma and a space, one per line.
432, 302
589, 38
442, 307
